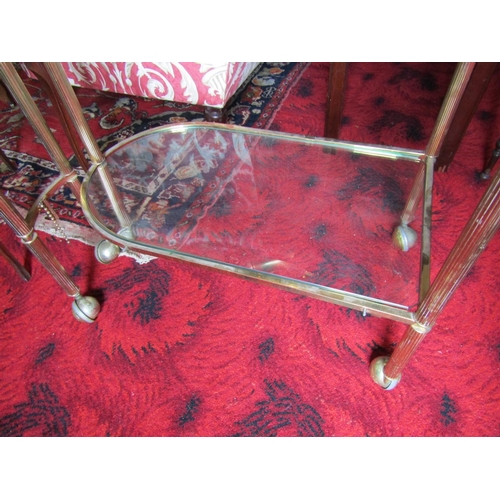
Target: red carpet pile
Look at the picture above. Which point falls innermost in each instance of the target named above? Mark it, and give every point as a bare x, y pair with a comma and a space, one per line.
179, 350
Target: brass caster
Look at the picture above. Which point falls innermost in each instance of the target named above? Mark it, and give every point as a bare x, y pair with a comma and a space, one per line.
85, 308
378, 376
106, 252
404, 238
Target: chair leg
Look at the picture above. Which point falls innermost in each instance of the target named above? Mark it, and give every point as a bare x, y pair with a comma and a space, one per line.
216, 115
485, 174
476, 235
20, 269
5, 160
5, 96
335, 100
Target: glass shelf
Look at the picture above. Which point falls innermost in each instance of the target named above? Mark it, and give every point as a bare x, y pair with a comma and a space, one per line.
314, 216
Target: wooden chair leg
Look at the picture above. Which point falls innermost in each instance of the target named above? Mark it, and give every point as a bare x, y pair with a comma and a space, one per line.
4, 159
335, 101
216, 115
478, 84
5, 96
17, 266
485, 174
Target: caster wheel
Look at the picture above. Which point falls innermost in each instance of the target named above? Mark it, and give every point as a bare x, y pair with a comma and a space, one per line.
378, 376
404, 238
106, 252
85, 309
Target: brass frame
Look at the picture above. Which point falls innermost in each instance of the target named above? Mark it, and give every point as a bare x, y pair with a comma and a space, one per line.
84, 308
387, 370
367, 305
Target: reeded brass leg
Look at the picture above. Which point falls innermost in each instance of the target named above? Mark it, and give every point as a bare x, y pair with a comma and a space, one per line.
84, 308
474, 238
404, 237
68, 99
23, 98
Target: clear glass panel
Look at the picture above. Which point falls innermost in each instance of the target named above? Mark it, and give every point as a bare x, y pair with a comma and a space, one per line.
313, 211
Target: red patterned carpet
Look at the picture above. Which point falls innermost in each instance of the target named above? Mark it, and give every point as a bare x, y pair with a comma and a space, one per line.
179, 350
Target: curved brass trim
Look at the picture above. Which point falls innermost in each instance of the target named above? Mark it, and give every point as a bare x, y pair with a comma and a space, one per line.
54, 186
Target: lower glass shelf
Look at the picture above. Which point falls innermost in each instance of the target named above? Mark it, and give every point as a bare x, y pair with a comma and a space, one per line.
311, 215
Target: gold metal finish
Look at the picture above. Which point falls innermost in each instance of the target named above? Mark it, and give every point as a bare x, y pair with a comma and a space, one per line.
106, 252
386, 371
87, 307
425, 251
29, 237
476, 235
451, 101
377, 151
46, 193
420, 328
67, 96
378, 375
367, 305
448, 109
404, 238
409, 213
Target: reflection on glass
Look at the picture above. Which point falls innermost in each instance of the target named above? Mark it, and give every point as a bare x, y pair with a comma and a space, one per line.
311, 211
